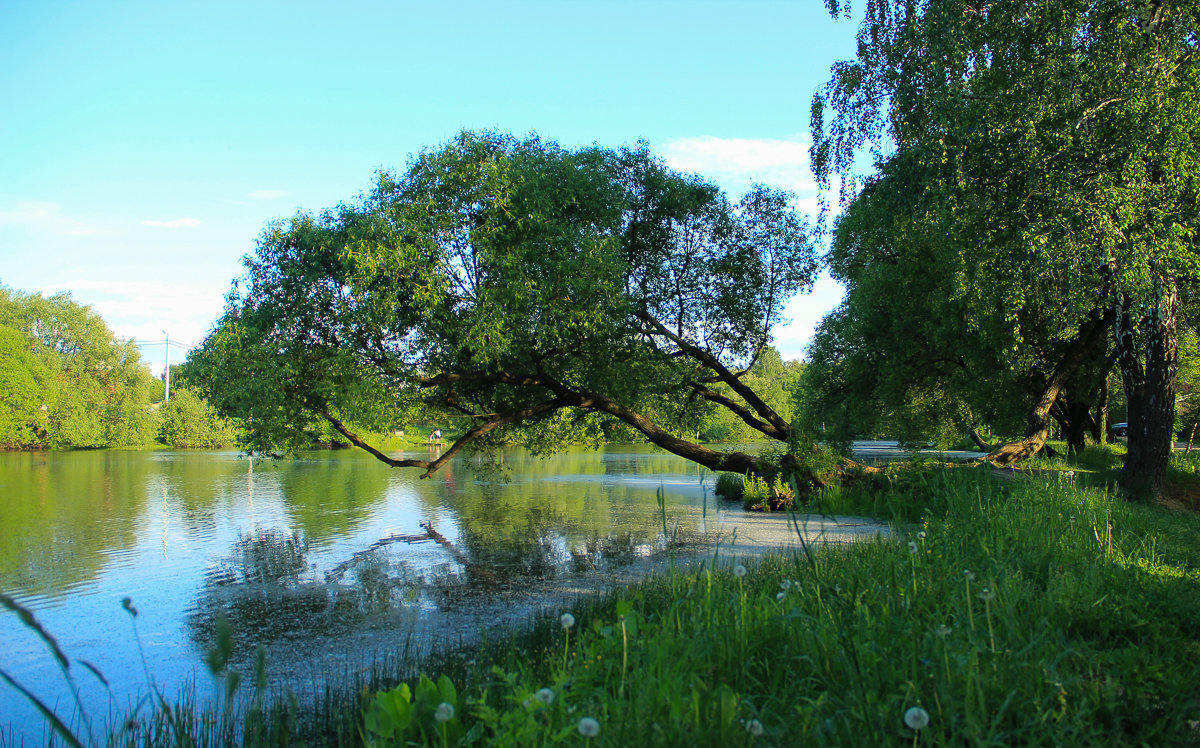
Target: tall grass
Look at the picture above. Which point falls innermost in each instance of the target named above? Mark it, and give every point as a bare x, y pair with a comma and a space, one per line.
1034, 612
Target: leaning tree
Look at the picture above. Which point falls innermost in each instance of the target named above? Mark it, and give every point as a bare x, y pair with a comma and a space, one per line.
523, 287
1067, 134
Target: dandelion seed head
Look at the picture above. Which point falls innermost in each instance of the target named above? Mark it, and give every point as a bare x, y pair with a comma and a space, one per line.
780, 597
986, 594
588, 727
444, 713
739, 571
921, 535
545, 696
916, 718
754, 727
970, 575
912, 546
785, 585
943, 630
567, 620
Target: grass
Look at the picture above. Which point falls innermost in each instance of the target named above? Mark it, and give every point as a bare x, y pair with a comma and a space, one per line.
1032, 612
1037, 611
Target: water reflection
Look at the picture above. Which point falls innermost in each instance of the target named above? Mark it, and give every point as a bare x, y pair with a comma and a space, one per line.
325, 560
272, 590
269, 591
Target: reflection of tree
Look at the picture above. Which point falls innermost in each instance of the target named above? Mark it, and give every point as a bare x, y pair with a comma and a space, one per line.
329, 494
63, 513
268, 591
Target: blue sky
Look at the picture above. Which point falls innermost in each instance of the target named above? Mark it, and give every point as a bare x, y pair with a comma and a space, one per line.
145, 145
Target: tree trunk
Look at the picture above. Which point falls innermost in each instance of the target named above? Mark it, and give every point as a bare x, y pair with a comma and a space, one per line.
979, 441
1075, 418
1150, 390
1100, 433
1090, 333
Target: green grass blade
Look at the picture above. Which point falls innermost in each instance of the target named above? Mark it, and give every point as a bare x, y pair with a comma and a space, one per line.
63, 731
29, 621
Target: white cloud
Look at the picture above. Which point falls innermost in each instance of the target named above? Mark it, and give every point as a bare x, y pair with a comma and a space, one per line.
44, 216
737, 163
803, 313
142, 310
178, 223
266, 194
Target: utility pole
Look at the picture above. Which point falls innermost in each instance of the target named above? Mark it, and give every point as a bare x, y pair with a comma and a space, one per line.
167, 371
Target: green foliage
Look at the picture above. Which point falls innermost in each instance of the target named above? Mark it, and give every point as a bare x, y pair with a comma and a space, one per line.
189, 421
1040, 177
428, 715
94, 388
730, 485
28, 389
774, 380
767, 496
1187, 409
535, 289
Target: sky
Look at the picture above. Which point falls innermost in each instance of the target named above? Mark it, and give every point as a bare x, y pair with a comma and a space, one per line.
144, 146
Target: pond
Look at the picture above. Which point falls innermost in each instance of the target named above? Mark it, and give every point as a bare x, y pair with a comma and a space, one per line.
329, 560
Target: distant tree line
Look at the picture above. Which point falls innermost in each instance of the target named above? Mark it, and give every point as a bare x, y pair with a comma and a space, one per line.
67, 382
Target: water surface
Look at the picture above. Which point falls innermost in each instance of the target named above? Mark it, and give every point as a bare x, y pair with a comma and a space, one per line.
328, 560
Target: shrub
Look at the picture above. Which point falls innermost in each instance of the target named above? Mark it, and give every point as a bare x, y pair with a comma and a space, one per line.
761, 496
729, 486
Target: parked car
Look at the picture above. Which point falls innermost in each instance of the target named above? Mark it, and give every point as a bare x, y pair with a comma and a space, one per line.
1119, 429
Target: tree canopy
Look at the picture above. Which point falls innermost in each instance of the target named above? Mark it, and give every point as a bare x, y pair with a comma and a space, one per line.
73, 383
1054, 149
513, 283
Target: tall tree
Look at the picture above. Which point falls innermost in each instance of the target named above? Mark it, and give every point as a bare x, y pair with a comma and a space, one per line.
513, 283
1068, 133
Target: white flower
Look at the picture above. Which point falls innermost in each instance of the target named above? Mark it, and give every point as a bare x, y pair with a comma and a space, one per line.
588, 727
754, 727
444, 713
567, 620
943, 630
739, 571
921, 535
544, 695
912, 546
916, 718
780, 597
785, 585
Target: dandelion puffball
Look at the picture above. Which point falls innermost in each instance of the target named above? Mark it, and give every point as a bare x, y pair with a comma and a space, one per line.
916, 718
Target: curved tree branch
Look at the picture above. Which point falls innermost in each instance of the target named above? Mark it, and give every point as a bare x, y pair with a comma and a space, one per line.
742, 413
779, 427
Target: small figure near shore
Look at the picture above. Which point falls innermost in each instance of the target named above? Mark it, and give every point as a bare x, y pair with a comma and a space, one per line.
435, 437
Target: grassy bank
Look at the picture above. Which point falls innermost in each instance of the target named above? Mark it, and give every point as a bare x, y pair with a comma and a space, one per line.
1032, 611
